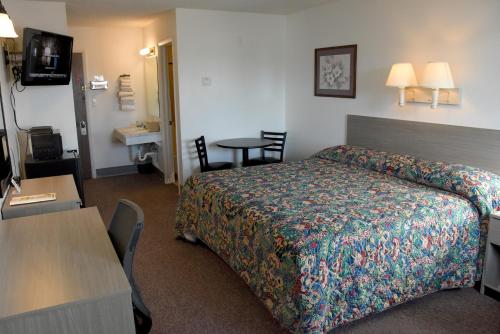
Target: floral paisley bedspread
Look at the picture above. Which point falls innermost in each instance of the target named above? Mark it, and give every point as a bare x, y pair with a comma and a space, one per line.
345, 234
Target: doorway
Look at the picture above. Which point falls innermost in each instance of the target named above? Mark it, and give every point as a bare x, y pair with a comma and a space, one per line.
167, 110
78, 79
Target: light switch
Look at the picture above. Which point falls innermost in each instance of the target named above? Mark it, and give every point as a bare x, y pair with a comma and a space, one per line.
206, 81
94, 102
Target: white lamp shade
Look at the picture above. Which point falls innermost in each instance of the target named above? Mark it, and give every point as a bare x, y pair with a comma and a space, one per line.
148, 52
437, 75
7, 27
401, 75
144, 52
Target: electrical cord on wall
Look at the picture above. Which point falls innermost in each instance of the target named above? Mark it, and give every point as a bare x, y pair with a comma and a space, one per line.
16, 71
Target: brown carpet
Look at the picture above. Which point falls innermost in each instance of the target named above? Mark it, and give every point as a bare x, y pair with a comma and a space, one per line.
190, 290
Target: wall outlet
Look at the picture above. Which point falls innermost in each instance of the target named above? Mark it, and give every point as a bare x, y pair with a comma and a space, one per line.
206, 81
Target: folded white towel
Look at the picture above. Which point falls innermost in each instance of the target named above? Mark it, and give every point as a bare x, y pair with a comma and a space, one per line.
127, 108
124, 94
127, 99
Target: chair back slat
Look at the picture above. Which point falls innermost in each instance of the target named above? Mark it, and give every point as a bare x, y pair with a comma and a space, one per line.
201, 147
279, 139
270, 133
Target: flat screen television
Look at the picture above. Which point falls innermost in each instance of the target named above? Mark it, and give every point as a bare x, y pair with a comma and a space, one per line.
46, 58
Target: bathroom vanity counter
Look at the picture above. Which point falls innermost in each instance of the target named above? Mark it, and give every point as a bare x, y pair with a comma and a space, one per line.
136, 136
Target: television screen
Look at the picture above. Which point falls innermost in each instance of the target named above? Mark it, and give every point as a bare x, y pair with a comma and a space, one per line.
46, 58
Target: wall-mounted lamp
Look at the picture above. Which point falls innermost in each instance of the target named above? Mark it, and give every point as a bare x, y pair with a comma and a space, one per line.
401, 76
436, 78
6, 25
148, 52
437, 75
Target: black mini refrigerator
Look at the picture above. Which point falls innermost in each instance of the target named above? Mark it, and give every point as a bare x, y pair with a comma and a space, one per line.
69, 163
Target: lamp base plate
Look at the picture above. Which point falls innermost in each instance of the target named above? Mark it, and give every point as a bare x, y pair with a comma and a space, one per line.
424, 95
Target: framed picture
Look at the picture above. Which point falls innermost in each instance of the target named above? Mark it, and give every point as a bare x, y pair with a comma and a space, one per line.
335, 71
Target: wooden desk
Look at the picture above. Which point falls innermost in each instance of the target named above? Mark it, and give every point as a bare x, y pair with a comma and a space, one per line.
60, 274
63, 186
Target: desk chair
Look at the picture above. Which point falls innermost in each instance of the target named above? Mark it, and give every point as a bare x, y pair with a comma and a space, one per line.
124, 231
203, 156
279, 139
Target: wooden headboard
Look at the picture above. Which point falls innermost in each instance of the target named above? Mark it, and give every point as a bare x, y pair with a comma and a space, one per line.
455, 144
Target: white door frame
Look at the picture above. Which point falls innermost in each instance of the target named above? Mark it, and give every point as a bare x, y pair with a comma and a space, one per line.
90, 121
165, 114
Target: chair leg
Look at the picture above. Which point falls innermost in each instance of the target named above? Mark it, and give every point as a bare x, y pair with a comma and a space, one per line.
142, 322
142, 315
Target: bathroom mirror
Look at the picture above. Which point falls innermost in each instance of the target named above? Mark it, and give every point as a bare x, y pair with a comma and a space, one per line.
151, 76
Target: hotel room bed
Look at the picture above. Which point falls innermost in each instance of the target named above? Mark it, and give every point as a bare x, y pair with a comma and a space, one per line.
345, 234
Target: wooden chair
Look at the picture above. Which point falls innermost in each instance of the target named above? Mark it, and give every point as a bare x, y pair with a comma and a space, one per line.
279, 139
124, 231
203, 156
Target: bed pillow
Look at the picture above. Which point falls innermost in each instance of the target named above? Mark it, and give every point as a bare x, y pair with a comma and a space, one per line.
480, 187
399, 165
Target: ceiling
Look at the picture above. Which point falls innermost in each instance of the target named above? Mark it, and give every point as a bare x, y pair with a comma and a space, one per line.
141, 12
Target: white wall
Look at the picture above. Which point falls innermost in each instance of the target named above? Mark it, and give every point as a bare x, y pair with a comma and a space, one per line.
50, 105
5, 82
466, 33
111, 51
163, 30
243, 55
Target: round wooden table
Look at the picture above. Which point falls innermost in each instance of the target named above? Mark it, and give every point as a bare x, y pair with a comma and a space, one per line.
244, 144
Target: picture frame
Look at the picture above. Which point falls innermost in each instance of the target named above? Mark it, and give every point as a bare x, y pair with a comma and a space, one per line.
335, 71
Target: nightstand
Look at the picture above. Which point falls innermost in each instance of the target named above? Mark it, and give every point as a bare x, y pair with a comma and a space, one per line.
491, 271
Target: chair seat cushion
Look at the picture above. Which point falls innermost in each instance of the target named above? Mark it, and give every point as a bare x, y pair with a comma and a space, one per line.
220, 165
260, 161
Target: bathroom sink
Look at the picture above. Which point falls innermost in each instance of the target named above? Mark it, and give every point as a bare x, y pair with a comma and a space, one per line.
132, 131
136, 136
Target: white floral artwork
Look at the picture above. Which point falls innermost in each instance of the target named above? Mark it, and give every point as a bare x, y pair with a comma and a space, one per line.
335, 72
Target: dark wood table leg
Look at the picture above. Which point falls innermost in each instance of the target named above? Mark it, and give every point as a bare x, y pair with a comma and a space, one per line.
245, 157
